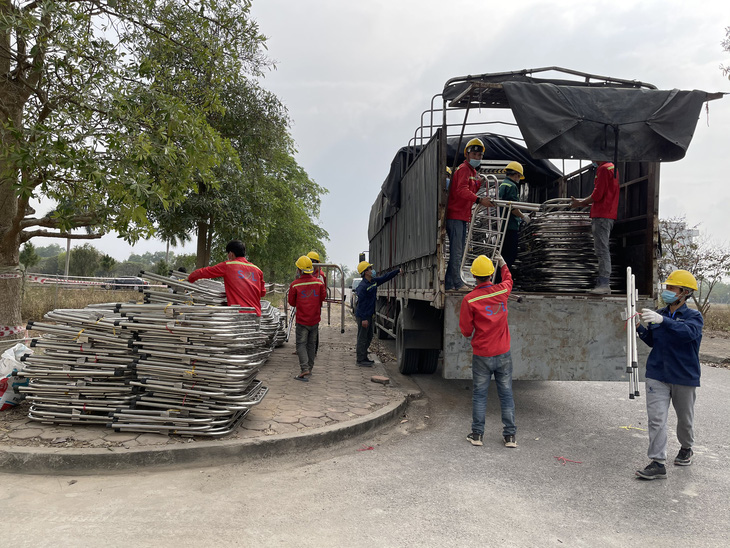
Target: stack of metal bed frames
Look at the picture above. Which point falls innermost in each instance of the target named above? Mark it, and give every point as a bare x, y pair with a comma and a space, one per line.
166, 367
556, 250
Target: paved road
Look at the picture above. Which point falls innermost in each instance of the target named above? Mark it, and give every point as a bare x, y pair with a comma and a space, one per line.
421, 484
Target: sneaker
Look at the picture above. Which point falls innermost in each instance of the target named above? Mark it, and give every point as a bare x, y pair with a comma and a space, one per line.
655, 470
601, 290
368, 360
475, 438
684, 457
509, 441
365, 363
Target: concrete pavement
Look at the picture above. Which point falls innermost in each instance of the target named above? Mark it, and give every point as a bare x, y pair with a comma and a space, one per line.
339, 402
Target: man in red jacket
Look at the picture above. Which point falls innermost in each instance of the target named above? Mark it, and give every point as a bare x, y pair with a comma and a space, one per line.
306, 294
462, 196
604, 210
483, 317
244, 282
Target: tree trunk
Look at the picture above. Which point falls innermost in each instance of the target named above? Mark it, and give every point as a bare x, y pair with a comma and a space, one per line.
200, 260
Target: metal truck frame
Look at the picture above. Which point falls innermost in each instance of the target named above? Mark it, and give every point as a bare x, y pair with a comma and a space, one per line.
555, 336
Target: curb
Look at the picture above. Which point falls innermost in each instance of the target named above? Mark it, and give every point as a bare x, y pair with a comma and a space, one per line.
713, 359
43, 460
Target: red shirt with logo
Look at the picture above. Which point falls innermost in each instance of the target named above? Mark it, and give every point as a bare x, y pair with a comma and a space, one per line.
605, 192
243, 280
462, 192
307, 293
484, 314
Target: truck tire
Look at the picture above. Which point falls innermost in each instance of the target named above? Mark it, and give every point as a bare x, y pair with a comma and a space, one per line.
429, 361
407, 357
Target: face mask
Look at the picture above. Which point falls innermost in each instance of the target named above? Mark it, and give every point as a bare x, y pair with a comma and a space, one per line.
448, 183
475, 163
669, 296
373, 273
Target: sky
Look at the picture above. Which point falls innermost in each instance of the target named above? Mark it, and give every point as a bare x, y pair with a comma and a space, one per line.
355, 77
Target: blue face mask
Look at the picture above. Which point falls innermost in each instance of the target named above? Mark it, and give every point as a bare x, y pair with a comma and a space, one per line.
475, 163
373, 273
669, 296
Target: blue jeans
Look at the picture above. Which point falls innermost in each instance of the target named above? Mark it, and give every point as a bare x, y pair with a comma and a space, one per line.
456, 231
482, 369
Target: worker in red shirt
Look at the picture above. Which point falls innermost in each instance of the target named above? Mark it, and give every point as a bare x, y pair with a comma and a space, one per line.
318, 273
462, 196
483, 317
604, 210
306, 294
244, 282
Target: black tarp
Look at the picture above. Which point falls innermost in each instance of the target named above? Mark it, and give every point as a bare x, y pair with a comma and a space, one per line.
587, 123
537, 172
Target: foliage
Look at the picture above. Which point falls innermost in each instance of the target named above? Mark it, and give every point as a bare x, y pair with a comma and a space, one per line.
707, 261
148, 258
130, 268
49, 250
721, 293
184, 261
162, 268
107, 264
29, 256
85, 261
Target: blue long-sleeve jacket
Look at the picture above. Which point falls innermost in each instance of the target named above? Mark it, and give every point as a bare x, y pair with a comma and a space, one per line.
367, 293
675, 347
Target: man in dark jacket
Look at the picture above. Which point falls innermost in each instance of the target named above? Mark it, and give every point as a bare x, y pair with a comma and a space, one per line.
367, 294
672, 371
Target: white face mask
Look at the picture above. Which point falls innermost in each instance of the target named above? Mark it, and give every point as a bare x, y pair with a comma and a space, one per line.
475, 163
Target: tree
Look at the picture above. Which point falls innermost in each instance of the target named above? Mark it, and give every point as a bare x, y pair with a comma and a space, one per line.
684, 248
85, 261
726, 47
107, 264
87, 118
28, 259
49, 251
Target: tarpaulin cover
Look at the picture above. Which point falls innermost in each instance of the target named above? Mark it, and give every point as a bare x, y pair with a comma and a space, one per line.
537, 172
586, 122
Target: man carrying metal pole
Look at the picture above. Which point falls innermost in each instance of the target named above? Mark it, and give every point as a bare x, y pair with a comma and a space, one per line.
483, 317
509, 191
672, 371
462, 196
307, 294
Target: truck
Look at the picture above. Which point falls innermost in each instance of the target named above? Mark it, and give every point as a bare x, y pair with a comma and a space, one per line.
543, 118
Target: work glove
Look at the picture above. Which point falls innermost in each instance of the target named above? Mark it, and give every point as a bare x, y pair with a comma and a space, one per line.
499, 260
649, 316
526, 219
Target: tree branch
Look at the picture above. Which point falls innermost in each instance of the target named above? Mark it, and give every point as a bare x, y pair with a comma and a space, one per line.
50, 222
25, 236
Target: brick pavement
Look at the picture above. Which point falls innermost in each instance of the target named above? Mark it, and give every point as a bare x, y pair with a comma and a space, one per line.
338, 392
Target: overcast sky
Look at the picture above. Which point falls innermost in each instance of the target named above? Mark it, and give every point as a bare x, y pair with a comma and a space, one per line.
356, 76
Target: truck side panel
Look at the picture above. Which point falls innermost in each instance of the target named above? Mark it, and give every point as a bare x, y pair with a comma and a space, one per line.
553, 338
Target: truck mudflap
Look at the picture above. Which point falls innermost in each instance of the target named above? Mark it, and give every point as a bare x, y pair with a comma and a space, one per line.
553, 337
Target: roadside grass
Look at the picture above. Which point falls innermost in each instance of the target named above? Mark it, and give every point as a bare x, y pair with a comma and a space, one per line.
718, 318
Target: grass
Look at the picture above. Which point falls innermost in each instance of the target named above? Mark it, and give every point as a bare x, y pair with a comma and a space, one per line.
718, 318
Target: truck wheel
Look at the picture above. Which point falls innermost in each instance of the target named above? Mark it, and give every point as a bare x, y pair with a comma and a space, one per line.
429, 361
407, 357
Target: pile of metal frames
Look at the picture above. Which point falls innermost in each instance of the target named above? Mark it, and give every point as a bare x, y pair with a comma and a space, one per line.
187, 369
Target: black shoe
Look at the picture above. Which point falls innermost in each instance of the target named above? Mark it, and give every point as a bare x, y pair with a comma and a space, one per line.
365, 363
655, 470
368, 360
509, 441
684, 457
475, 438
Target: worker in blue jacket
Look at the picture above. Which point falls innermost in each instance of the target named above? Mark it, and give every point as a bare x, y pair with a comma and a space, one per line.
674, 334
367, 294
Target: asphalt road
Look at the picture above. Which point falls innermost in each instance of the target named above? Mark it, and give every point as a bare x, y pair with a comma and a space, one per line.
419, 483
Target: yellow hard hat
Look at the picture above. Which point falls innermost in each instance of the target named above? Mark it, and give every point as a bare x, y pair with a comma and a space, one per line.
482, 266
363, 266
516, 166
474, 142
314, 256
304, 264
682, 278
448, 170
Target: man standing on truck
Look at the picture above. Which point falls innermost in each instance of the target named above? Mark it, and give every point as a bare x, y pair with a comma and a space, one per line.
604, 210
306, 293
509, 191
244, 281
462, 195
672, 371
367, 294
483, 317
